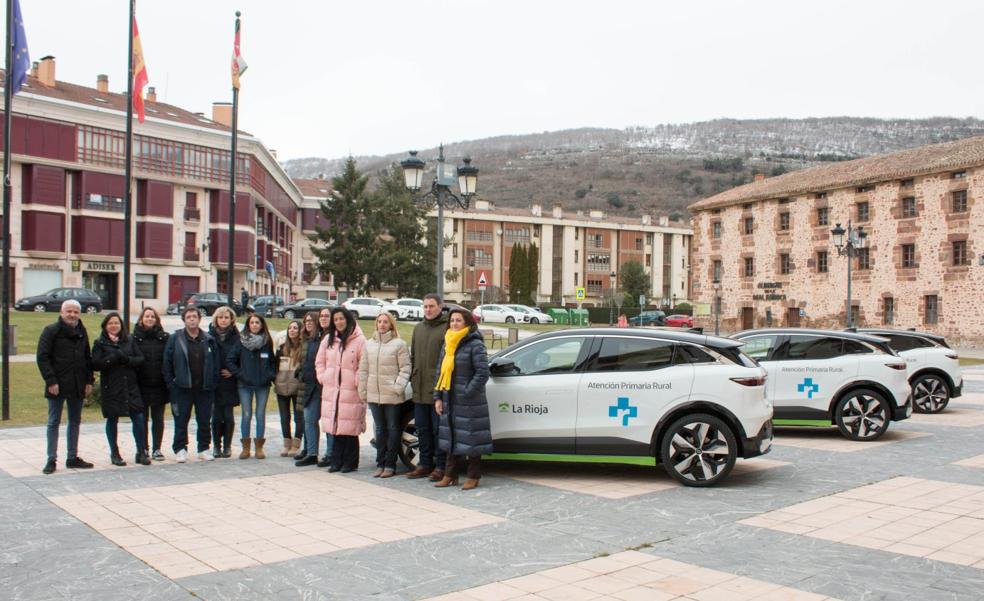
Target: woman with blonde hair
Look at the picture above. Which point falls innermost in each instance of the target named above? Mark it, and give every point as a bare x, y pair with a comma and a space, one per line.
384, 372
223, 330
288, 386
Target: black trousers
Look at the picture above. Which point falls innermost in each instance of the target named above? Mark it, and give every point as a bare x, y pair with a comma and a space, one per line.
345, 452
223, 425
473, 472
157, 429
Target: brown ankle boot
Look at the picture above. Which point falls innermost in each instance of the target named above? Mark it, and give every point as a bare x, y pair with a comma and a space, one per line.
419, 472
245, 453
295, 447
259, 448
446, 482
469, 484
437, 475
288, 446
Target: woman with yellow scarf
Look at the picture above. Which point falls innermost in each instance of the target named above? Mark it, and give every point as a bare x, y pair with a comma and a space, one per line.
459, 398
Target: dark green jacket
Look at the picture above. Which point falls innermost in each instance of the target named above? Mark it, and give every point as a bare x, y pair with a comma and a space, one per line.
425, 348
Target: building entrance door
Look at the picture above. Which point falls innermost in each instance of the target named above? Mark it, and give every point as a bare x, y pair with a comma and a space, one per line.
103, 284
747, 318
792, 317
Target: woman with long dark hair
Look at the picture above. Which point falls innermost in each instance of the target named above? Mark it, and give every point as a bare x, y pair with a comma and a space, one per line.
117, 356
315, 327
254, 365
223, 330
343, 413
288, 386
459, 398
151, 340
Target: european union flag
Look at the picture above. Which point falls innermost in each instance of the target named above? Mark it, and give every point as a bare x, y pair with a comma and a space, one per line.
21, 60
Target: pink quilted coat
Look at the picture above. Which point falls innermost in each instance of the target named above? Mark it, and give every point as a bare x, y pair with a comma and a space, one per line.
342, 412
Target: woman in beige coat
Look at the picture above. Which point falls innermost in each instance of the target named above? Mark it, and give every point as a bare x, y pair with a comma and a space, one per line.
384, 372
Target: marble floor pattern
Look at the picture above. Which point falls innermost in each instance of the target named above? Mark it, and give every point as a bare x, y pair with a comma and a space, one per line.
830, 439
960, 417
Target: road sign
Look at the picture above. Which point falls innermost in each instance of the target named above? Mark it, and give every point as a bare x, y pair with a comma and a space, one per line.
642, 300
579, 293
482, 280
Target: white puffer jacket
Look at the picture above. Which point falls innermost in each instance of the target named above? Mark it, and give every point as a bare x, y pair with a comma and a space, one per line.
384, 369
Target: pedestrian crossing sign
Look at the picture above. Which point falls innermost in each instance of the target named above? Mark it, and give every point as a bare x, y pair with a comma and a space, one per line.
579, 293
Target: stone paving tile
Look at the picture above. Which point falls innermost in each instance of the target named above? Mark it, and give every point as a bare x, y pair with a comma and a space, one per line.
969, 398
977, 461
259, 520
611, 482
631, 576
909, 516
830, 439
961, 417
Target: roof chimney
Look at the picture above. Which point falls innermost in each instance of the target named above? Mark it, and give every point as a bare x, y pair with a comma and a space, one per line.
596, 214
759, 176
222, 113
558, 211
46, 71
647, 219
536, 209
34, 69
151, 94
102, 82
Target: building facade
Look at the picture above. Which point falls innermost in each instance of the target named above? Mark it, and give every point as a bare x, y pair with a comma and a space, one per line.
765, 252
67, 154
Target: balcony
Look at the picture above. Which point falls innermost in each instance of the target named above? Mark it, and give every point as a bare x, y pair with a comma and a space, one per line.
100, 202
192, 214
191, 255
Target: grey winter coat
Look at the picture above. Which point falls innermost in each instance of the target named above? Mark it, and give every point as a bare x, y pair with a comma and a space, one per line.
384, 370
465, 427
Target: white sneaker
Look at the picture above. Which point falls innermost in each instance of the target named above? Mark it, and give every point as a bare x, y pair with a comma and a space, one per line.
205, 456
182, 456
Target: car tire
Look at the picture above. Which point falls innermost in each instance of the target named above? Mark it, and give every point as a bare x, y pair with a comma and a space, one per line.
289, 314
688, 443
40, 308
862, 415
409, 450
930, 394
534, 320
510, 319
355, 314
396, 316
92, 309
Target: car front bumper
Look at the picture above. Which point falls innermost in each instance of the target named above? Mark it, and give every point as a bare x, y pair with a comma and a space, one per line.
760, 444
901, 412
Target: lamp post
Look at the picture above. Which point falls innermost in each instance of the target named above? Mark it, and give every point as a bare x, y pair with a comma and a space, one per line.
856, 240
441, 194
717, 307
611, 310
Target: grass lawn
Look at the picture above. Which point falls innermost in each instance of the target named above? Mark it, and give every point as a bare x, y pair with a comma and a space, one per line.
28, 406
970, 361
30, 324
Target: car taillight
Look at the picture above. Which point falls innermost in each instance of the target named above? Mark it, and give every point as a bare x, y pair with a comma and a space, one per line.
898, 366
755, 381
952, 356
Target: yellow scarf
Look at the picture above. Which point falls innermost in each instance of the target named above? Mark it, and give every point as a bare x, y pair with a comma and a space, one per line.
451, 341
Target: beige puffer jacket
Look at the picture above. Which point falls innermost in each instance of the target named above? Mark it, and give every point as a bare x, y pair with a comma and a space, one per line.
384, 369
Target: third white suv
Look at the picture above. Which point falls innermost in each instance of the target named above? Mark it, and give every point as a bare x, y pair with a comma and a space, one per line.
370, 308
932, 366
822, 378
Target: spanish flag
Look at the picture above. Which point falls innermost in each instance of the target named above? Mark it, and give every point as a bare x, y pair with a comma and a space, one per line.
238, 63
139, 73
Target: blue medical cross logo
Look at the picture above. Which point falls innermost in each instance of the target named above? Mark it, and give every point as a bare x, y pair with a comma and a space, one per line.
623, 406
808, 387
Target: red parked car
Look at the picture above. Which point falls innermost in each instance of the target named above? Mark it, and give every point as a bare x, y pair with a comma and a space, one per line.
680, 321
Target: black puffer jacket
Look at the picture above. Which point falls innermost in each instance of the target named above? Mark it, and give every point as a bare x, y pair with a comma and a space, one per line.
151, 343
119, 363
64, 358
253, 368
309, 375
227, 389
465, 428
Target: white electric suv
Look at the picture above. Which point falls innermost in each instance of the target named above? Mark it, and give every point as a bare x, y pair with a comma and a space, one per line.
823, 377
370, 308
932, 366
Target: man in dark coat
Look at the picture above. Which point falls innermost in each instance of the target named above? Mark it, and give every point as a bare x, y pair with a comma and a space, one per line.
191, 370
244, 298
64, 359
425, 347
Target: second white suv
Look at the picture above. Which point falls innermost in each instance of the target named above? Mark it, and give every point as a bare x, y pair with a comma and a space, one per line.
932, 366
415, 307
823, 378
370, 308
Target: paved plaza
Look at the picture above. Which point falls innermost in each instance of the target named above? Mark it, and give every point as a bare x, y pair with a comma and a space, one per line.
818, 518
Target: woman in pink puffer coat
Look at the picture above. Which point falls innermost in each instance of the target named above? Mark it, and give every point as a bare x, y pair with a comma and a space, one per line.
343, 413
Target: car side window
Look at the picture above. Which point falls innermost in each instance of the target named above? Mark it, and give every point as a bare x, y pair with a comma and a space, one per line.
686, 353
633, 354
853, 347
760, 348
555, 356
808, 348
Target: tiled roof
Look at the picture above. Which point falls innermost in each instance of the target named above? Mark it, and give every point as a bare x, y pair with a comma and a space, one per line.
319, 188
924, 160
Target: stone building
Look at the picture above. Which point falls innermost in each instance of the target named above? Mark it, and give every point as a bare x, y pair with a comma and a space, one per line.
764, 250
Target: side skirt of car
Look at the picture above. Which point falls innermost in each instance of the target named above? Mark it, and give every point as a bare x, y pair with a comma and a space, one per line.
558, 458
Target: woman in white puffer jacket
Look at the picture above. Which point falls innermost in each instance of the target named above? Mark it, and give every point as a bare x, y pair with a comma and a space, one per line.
384, 372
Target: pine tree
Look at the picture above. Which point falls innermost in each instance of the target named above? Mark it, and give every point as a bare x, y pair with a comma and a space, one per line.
518, 278
635, 282
401, 256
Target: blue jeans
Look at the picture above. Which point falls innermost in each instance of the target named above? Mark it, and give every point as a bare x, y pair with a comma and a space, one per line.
246, 396
312, 413
386, 423
54, 420
182, 402
427, 422
139, 427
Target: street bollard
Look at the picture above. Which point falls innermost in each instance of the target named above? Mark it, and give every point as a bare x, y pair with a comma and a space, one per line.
513, 337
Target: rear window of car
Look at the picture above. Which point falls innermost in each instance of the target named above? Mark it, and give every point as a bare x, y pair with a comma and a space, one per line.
906, 343
633, 354
686, 353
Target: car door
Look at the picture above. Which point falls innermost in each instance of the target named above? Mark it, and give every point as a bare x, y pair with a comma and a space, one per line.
626, 388
763, 349
811, 369
533, 405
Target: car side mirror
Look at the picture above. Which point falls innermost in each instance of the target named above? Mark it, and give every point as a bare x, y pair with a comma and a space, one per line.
502, 367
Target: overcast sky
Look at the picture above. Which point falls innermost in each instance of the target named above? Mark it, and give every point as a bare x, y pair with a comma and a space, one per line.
372, 77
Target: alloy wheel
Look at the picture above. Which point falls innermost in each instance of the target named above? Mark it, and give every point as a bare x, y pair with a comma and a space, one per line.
699, 450
930, 394
409, 445
862, 415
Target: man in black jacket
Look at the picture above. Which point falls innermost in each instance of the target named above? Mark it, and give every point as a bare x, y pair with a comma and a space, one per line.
191, 370
64, 360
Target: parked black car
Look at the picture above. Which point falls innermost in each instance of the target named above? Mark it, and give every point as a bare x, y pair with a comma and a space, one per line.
301, 307
265, 304
52, 300
208, 302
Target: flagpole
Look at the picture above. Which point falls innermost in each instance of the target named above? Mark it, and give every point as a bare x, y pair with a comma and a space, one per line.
128, 175
230, 276
7, 97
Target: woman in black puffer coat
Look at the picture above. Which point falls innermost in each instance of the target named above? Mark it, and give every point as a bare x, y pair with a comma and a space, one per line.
151, 339
223, 330
118, 357
459, 398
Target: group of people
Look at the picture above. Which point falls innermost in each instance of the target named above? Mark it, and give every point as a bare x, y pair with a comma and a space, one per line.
325, 373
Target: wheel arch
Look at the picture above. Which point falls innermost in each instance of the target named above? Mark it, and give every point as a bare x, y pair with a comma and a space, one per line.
691, 407
935, 371
857, 385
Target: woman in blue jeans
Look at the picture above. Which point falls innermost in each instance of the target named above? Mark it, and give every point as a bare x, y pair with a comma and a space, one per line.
253, 363
311, 397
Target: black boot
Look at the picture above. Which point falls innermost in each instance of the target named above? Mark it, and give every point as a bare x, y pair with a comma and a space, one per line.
217, 439
114, 457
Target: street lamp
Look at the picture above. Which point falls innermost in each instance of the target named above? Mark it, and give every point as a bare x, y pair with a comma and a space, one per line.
717, 307
856, 240
440, 193
611, 310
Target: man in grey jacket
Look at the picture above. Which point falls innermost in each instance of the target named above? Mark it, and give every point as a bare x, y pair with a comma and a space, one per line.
191, 371
425, 348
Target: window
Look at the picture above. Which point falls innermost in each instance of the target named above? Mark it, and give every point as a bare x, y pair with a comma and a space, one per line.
908, 207
901, 342
960, 253
598, 262
633, 354
888, 311
749, 267
649, 260
716, 230
687, 353
958, 175
716, 271
598, 241
749, 226
594, 286
514, 235
823, 216
145, 285
649, 239
864, 258
548, 357
822, 261
907, 183
638, 243
863, 189
908, 256
809, 348
479, 236
191, 200
853, 347
784, 221
958, 203
760, 348
864, 211
932, 315
576, 255
785, 264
